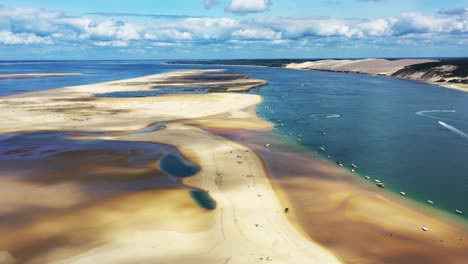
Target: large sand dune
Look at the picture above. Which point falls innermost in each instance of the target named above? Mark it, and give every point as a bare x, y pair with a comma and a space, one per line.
369, 66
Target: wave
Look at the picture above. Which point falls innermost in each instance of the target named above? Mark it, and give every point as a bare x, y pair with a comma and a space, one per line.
424, 113
453, 129
325, 115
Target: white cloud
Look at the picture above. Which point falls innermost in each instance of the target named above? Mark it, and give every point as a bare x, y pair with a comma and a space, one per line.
27, 26
210, 3
257, 34
248, 6
9, 38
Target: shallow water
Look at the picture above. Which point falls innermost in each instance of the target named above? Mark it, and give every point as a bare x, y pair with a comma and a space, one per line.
203, 199
177, 166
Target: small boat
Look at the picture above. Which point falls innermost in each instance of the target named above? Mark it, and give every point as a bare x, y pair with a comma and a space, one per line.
381, 185
459, 212
403, 193
323, 133
267, 145
290, 134
430, 201
329, 156
341, 164
377, 181
367, 177
299, 135
298, 139
322, 148
354, 166
352, 170
424, 228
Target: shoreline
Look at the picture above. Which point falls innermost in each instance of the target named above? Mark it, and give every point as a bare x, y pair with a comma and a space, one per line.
323, 191
453, 86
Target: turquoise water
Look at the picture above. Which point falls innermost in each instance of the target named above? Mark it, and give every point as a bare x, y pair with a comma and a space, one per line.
203, 199
177, 166
388, 127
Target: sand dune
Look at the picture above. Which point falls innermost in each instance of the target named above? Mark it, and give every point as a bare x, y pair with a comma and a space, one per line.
368, 66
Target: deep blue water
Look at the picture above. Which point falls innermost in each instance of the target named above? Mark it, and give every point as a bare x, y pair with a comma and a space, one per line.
372, 121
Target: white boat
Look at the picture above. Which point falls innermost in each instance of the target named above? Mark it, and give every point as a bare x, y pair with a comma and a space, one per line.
403, 193
377, 181
290, 134
322, 148
430, 201
352, 170
267, 145
459, 212
381, 185
424, 228
367, 177
354, 166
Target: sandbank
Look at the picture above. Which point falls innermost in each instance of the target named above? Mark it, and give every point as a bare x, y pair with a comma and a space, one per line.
249, 224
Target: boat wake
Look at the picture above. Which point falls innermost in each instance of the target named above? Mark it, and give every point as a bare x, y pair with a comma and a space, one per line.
326, 115
453, 129
426, 113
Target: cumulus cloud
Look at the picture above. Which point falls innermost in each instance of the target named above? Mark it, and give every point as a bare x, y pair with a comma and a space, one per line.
210, 3
248, 6
454, 12
30, 26
9, 38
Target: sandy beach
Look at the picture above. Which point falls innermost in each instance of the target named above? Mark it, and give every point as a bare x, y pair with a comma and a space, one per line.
249, 224
356, 220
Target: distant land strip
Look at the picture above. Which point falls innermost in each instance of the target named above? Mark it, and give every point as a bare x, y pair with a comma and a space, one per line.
450, 73
37, 75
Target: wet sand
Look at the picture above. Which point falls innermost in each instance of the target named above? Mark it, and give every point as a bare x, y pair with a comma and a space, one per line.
353, 218
164, 226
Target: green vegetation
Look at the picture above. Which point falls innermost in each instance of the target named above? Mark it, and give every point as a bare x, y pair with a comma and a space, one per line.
434, 68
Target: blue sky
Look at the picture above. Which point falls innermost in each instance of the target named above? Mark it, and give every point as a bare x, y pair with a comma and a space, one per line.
211, 29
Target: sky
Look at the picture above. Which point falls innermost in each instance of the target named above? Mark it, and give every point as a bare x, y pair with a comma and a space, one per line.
225, 29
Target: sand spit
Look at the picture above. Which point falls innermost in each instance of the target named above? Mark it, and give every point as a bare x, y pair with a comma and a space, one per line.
249, 224
37, 75
351, 216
